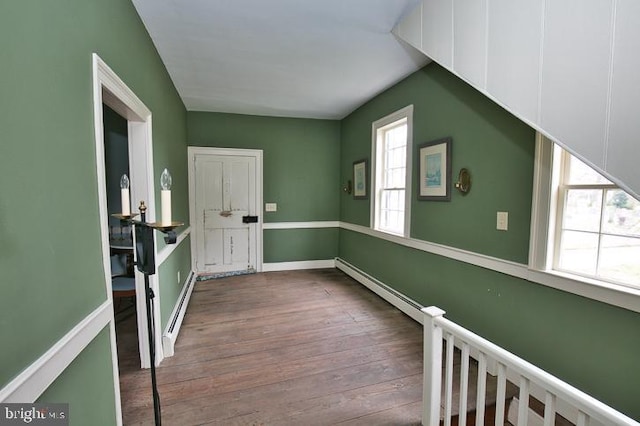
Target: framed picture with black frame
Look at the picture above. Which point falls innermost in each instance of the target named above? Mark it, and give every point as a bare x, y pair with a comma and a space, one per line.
434, 168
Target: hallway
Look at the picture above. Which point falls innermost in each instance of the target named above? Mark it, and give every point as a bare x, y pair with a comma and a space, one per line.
285, 348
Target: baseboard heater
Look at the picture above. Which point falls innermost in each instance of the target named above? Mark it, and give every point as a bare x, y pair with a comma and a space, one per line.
173, 328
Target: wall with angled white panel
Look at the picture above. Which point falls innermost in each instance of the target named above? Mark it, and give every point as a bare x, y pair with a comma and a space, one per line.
575, 75
513, 64
624, 123
437, 31
470, 40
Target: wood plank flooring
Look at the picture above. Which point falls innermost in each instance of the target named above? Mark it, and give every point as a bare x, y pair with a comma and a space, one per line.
282, 348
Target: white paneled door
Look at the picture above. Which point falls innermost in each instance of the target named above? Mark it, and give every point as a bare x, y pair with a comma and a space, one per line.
225, 212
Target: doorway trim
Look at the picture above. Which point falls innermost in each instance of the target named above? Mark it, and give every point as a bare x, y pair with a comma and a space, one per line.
192, 152
109, 89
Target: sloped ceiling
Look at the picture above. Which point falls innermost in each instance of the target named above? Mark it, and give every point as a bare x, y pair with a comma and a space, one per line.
292, 58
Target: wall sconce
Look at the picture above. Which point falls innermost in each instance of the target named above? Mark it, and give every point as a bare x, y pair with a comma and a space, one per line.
464, 181
348, 188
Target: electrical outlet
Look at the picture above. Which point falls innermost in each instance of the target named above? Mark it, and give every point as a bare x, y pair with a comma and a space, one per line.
502, 221
271, 207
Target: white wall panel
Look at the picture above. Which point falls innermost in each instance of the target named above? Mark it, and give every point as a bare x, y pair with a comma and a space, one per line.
410, 28
437, 30
575, 74
623, 151
470, 40
513, 60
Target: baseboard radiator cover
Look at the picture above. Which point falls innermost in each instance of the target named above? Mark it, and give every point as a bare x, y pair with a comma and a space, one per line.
170, 335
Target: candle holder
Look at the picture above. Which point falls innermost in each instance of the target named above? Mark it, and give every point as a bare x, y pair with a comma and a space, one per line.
145, 263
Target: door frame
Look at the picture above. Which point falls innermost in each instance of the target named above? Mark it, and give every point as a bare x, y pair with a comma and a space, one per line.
110, 90
192, 152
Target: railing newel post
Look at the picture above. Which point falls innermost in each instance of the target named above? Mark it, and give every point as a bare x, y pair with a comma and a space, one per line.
432, 380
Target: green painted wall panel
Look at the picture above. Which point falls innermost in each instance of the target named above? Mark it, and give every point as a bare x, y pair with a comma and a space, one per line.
589, 344
51, 252
170, 287
496, 147
81, 385
301, 169
289, 245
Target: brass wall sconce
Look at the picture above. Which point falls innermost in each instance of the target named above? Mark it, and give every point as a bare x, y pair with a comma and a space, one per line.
464, 181
348, 188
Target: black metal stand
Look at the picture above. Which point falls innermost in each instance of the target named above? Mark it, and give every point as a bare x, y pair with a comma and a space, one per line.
152, 350
145, 263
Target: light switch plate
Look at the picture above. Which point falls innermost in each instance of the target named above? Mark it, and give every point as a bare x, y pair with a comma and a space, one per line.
502, 221
271, 207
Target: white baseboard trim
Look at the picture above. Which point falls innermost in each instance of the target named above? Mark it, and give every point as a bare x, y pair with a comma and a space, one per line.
397, 299
37, 377
169, 248
305, 264
170, 334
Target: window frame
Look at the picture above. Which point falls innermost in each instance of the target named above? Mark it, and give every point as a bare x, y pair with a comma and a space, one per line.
549, 191
378, 128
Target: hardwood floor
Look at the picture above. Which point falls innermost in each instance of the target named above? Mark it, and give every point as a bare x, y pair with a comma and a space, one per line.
283, 348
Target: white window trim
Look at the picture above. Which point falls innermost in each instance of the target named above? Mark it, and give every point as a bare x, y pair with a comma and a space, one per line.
406, 112
542, 237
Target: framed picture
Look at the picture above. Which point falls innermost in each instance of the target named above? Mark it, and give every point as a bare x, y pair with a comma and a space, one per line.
434, 166
360, 190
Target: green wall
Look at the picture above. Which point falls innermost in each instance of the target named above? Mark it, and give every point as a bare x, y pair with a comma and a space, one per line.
51, 256
291, 245
496, 147
301, 174
180, 261
587, 343
82, 385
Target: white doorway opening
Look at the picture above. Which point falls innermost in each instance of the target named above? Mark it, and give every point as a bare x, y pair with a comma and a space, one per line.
109, 89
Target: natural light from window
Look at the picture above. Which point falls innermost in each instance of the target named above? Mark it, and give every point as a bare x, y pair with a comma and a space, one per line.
391, 150
598, 232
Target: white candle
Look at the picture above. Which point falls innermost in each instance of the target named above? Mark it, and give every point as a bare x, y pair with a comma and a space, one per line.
126, 205
165, 195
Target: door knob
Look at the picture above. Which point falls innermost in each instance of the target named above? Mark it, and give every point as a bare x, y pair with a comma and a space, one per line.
226, 213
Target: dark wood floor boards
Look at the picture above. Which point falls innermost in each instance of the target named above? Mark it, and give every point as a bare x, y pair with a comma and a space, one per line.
285, 348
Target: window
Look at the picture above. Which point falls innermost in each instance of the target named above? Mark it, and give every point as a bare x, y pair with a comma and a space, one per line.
592, 226
392, 148
598, 232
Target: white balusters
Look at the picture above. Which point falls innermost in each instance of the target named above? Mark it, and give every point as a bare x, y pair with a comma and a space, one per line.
549, 409
448, 388
523, 406
501, 393
481, 388
464, 385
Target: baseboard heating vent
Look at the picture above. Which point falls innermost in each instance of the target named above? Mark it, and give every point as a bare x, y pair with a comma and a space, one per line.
171, 333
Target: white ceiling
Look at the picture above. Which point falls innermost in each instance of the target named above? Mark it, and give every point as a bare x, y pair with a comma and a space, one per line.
292, 58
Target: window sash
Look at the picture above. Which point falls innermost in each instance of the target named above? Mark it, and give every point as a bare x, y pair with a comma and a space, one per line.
564, 231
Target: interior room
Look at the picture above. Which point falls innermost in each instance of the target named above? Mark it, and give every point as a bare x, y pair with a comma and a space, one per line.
293, 100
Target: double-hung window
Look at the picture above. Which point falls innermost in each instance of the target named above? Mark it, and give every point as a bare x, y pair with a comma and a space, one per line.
598, 232
392, 136
592, 226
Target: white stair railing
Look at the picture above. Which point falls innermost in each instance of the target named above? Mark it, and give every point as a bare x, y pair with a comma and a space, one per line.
549, 389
